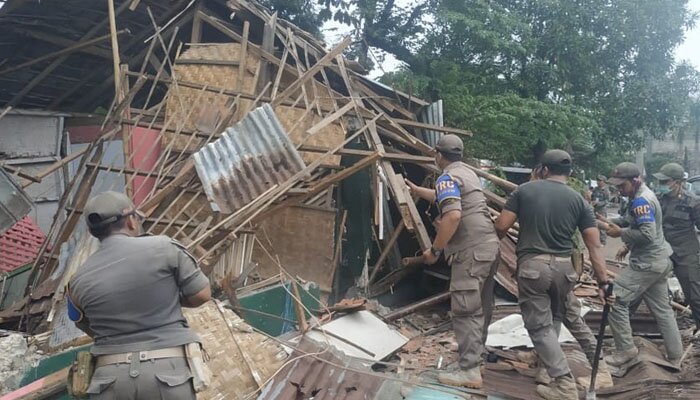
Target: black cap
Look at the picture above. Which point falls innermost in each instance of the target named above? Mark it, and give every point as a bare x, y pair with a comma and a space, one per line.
450, 144
556, 158
624, 171
106, 207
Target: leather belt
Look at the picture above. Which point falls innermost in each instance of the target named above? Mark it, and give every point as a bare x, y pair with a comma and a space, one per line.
170, 352
547, 257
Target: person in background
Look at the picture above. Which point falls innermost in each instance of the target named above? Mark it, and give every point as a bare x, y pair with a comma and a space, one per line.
600, 197
640, 229
681, 210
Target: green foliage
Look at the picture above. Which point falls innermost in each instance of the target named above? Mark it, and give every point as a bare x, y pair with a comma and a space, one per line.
592, 77
654, 163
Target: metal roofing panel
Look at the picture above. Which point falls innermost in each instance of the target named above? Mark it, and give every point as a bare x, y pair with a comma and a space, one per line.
432, 114
14, 202
247, 160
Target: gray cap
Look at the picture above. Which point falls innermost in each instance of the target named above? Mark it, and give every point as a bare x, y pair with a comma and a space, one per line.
106, 207
670, 171
602, 178
556, 157
624, 171
450, 144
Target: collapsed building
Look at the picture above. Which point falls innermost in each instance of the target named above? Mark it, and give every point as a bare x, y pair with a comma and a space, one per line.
277, 163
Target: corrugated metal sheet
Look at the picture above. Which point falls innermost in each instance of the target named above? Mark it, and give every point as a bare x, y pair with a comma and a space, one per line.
432, 114
14, 203
310, 378
248, 159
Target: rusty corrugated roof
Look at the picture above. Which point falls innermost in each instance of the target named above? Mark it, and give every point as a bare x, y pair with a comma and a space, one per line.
247, 160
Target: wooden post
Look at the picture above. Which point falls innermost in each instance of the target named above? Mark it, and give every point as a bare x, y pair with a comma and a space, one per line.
299, 308
115, 46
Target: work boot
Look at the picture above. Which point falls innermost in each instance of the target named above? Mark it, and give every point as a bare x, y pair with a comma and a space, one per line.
542, 376
621, 358
470, 378
561, 388
603, 378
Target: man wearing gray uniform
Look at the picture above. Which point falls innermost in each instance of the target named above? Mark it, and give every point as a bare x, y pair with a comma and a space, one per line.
681, 211
649, 267
128, 296
466, 233
549, 212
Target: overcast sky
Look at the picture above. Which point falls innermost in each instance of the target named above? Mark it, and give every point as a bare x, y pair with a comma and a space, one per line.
690, 49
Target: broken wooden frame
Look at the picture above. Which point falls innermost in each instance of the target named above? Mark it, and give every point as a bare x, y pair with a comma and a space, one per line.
176, 205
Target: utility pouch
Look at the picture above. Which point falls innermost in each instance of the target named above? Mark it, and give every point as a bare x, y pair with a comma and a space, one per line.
196, 358
80, 374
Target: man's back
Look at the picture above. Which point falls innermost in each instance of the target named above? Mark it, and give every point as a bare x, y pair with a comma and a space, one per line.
130, 290
549, 212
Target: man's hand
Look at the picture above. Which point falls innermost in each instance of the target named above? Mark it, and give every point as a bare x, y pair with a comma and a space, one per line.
411, 186
614, 230
622, 253
429, 258
602, 295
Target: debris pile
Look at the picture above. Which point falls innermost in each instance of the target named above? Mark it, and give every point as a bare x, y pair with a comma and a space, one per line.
281, 168
17, 358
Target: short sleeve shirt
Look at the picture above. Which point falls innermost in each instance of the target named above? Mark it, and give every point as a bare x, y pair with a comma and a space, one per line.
549, 213
130, 290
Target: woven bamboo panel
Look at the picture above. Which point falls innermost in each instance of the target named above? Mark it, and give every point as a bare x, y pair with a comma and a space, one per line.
188, 107
237, 354
311, 258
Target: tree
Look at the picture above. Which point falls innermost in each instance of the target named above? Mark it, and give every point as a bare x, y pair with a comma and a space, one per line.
594, 77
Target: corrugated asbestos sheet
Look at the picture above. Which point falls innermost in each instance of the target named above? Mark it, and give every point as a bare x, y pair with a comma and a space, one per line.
248, 159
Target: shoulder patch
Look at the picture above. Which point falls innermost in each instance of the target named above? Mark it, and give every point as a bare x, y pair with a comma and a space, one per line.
642, 211
447, 188
75, 314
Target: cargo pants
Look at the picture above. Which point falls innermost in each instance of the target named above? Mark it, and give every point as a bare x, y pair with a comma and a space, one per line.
634, 285
574, 322
687, 270
164, 378
544, 282
471, 296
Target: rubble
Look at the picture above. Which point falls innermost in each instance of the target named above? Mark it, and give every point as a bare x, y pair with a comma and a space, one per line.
17, 358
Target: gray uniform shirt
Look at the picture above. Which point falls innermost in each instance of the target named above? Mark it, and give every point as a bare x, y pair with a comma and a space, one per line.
129, 292
643, 232
458, 188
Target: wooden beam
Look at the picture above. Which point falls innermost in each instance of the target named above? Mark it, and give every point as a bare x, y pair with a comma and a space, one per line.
421, 125
60, 53
243, 56
39, 78
311, 72
387, 249
196, 36
42, 388
116, 60
63, 42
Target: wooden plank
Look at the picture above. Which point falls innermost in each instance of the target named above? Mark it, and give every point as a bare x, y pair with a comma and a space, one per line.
42, 388
421, 125
387, 249
196, 35
329, 119
311, 72
243, 57
268, 44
